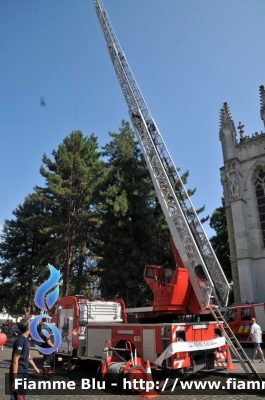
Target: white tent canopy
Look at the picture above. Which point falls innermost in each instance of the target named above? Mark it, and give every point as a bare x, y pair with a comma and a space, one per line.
5, 317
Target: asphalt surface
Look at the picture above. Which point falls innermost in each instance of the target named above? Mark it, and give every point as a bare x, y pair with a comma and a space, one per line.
87, 370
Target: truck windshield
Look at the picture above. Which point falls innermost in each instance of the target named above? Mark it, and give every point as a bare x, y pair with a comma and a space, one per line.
230, 316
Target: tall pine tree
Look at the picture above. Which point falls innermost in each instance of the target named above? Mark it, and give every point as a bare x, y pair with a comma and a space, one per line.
70, 219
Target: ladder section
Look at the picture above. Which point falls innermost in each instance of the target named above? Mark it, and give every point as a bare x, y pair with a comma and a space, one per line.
205, 273
234, 344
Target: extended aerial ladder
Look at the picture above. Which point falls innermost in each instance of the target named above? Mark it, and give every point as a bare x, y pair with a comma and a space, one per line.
186, 229
205, 273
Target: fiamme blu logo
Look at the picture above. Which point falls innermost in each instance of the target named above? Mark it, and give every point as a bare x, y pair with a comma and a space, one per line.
50, 300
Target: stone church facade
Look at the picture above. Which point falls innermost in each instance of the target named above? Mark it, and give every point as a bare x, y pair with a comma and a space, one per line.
243, 180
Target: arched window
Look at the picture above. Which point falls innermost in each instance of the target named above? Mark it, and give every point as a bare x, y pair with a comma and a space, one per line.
259, 183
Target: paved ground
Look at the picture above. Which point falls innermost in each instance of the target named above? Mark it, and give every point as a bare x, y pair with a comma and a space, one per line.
88, 371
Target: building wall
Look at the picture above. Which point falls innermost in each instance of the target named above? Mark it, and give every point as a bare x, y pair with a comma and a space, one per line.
243, 159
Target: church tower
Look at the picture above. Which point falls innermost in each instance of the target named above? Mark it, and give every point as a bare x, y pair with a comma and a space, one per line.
243, 180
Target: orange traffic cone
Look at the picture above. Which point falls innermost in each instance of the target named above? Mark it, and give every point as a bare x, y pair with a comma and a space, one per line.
229, 363
149, 392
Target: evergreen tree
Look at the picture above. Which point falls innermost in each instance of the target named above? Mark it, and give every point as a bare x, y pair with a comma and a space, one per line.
70, 221
134, 231
220, 241
126, 217
20, 268
99, 222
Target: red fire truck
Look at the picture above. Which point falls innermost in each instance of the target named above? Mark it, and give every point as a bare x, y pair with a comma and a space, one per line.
238, 318
182, 328
72, 314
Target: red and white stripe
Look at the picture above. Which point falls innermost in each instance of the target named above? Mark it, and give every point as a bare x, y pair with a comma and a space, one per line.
174, 329
221, 359
178, 362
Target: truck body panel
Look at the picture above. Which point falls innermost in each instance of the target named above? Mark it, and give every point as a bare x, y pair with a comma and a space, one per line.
239, 317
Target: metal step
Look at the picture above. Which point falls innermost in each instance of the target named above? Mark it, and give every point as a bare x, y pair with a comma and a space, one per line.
234, 344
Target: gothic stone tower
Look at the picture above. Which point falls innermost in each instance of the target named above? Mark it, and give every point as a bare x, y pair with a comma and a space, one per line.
243, 180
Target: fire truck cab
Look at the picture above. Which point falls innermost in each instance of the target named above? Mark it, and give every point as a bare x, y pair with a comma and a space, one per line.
238, 318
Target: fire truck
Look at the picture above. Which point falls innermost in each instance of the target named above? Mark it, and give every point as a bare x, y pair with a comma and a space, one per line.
182, 328
72, 314
238, 318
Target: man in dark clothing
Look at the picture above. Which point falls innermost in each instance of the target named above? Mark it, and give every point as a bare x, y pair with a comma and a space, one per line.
20, 361
47, 335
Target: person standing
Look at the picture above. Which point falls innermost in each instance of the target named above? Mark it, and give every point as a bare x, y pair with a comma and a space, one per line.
255, 334
20, 361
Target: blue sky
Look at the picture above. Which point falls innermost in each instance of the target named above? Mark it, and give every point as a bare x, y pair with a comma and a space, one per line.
188, 57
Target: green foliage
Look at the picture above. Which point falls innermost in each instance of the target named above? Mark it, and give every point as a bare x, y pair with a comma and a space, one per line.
134, 231
20, 246
132, 222
97, 220
220, 241
70, 219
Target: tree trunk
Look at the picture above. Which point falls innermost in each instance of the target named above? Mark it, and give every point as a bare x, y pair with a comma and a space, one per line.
66, 274
78, 285
27, 312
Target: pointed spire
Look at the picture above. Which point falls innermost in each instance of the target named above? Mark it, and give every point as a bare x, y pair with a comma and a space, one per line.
226, 121
262, 103
227, 134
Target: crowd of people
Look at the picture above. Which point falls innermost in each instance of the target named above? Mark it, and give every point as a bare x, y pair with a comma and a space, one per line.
10, 328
